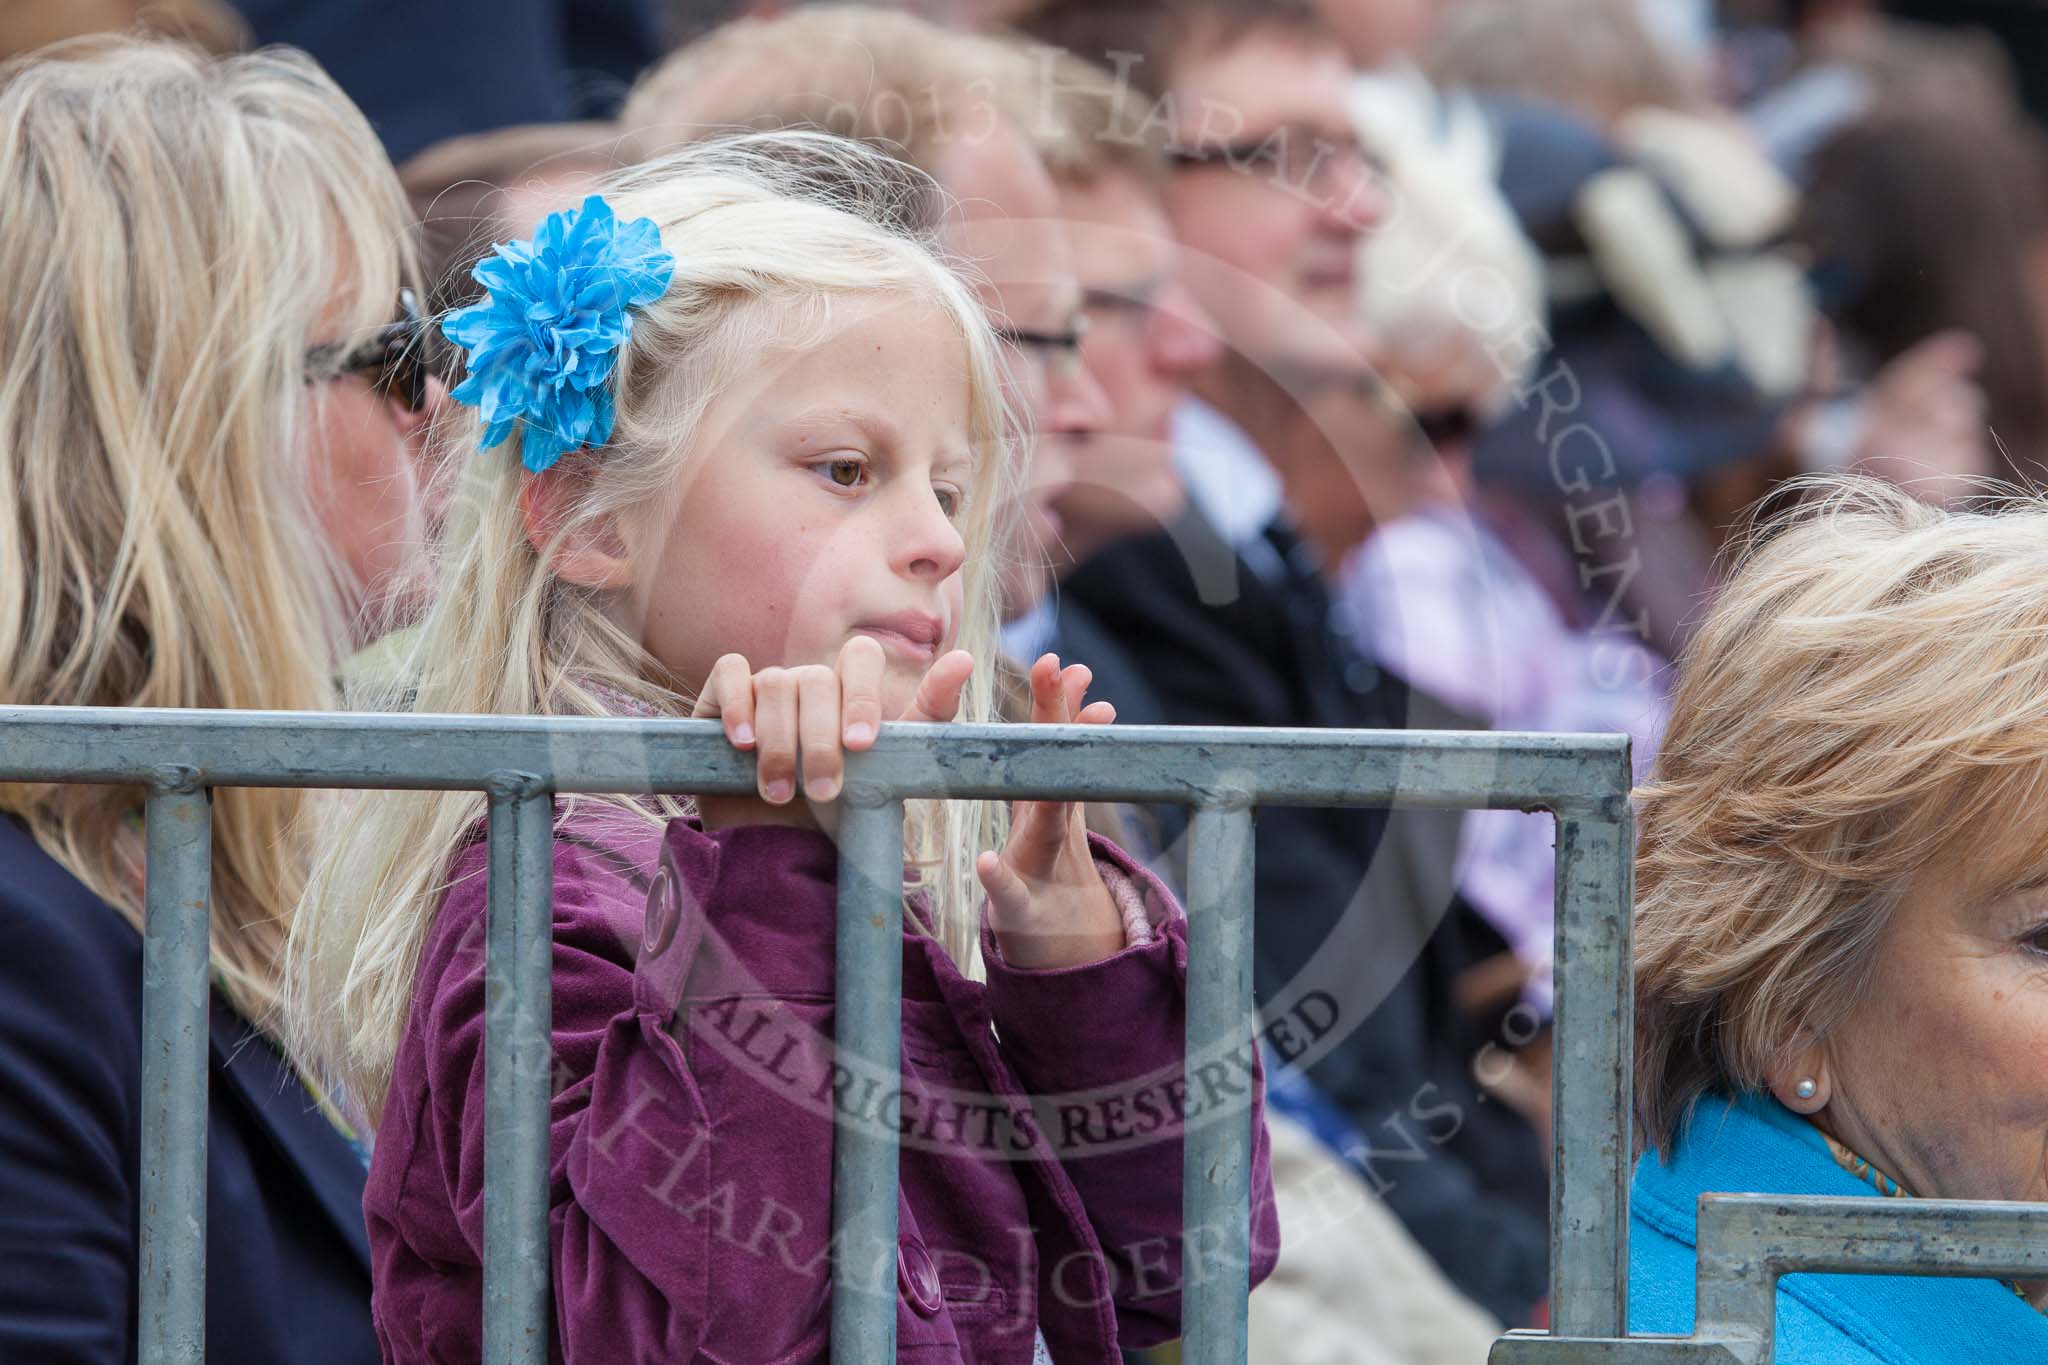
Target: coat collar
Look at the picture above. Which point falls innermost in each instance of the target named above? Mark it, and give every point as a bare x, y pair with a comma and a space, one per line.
1756, 1145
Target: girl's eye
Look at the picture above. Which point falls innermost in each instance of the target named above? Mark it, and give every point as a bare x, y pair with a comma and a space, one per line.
847, 473
949, 501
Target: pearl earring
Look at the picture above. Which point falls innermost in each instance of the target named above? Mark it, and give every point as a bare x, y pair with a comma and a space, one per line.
1806, 1089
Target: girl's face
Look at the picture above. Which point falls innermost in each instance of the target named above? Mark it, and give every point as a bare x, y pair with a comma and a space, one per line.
820, 503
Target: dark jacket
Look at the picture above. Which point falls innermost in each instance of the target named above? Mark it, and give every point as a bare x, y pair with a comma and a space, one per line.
287, 1275
423, 73
1353, 906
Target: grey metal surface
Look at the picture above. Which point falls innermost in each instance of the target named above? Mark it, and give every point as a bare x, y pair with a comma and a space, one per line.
521, 762
518, 1053
1747, 1241
1526, 1347
867, 1039
1592, 1076
1216, 1151
178, 844
1572, 774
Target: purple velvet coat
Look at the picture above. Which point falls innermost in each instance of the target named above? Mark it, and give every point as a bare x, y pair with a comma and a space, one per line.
695, 1097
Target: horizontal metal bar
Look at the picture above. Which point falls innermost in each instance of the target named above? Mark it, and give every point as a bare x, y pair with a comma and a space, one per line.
1581, 774
1747, 1241
1528, 1347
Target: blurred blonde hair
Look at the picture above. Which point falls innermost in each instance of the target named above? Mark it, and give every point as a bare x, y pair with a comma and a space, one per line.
1448, 278
1868, 698
178, 229
772, 235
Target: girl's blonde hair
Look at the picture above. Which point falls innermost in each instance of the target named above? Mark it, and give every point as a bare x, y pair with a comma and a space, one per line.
773, 235
176, 230
1867, 699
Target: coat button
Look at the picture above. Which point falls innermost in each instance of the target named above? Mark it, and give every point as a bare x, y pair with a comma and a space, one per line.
918, 1278
664, 913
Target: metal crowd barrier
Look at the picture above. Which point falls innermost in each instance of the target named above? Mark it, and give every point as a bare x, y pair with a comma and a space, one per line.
180, 756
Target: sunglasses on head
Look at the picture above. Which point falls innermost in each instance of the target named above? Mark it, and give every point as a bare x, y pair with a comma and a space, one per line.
393, 358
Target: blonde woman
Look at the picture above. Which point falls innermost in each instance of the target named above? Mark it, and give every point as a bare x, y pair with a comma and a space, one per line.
1841, 934
208, 414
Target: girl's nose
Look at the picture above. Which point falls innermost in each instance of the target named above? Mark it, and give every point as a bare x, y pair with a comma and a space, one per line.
927, 544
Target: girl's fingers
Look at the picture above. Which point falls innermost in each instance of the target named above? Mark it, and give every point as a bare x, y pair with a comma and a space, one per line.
818, 730
1096, 713
1075, 680
938, 695
729, 695
775, 719
1048, 697
1008, 897
861, 667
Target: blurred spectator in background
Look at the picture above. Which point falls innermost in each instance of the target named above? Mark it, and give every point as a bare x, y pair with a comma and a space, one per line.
1423, 581
1351, 1284
481, 188
960, 107
427, 72
1382, 33
1229, 617
209, 24
1596, 57
1922, 223
207, 496
1677, 339
1834, 61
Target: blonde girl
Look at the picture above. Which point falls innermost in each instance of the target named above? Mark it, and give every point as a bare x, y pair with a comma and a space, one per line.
205, 484
765, 488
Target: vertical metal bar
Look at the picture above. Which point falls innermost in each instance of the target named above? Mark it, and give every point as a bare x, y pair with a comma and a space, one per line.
178, 842
1592, 1083
867, 1040
1217, 1152
518, 1007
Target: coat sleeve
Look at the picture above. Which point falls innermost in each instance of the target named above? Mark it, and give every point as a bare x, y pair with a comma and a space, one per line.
1101, 1048
627, 1124
69, 1062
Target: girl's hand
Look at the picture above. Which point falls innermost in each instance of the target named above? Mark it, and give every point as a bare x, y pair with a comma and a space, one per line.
813, 712
1047, 903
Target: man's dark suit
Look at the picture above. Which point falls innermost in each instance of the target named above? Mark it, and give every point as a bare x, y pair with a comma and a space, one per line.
288, 1261
1349, 902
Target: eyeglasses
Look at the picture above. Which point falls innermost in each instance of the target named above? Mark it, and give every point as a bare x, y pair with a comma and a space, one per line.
1055, 350
393, 358
1454, 424
1134, 305
1293, 155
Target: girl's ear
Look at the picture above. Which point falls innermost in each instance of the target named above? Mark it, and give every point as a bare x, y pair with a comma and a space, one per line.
591, 556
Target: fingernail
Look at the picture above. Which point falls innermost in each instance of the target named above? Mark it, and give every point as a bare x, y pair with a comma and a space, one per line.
777, 791
824, 789
860, 732
743, 733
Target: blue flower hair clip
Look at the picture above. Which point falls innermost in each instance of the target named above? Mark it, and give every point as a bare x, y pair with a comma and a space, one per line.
543, 342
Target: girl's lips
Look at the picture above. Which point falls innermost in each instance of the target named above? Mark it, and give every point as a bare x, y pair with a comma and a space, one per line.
906, 632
